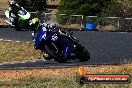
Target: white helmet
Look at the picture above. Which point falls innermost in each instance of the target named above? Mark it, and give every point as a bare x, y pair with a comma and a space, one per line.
11, 2
45, 25
52, 25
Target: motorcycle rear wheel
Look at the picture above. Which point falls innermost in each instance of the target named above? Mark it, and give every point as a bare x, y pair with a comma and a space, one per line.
56, 56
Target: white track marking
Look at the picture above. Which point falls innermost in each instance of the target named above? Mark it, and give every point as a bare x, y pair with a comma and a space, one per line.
12, 41
23, 61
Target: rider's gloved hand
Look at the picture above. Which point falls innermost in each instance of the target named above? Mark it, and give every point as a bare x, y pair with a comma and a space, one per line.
69, 33
22, 8
11, 20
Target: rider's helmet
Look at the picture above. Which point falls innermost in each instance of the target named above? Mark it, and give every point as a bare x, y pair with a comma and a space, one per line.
52, 26
45, 25
33, 23
12, 2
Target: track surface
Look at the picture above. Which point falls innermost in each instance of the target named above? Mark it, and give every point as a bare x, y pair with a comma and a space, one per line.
104, 47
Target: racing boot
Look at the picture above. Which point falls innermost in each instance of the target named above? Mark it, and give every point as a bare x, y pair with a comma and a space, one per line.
73, 56
11, 21
46, 56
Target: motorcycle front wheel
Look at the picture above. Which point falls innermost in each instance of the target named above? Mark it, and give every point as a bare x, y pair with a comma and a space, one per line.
82, 53
17, 28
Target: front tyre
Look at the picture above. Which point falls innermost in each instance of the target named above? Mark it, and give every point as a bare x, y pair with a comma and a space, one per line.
82, 53
15, 22
17, 29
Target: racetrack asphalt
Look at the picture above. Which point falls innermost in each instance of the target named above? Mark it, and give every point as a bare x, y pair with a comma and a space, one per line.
107, 48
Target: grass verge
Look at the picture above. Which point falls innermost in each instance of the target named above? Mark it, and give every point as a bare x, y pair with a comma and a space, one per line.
17, 51
63, 78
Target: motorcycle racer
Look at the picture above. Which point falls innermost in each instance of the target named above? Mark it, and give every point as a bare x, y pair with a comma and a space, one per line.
14, 8
20, 17
63, 33
38, 27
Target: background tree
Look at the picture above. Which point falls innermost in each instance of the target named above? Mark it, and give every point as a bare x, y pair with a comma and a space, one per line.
32, 5
80, 7
119, 8
83, 7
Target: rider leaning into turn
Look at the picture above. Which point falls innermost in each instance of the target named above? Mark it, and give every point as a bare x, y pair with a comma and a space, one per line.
13, 9
37, 27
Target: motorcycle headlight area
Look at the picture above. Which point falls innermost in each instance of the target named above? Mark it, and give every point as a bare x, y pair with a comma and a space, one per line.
54, 37
21, 12
44, 36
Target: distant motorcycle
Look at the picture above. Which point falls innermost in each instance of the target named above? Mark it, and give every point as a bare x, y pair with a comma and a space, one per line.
23, 19
55, 49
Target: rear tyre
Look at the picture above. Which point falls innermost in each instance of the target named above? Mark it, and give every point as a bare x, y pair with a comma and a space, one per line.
61, 60
56, 56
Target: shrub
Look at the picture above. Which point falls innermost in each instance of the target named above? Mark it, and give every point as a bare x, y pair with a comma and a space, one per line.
32, 5
80, 7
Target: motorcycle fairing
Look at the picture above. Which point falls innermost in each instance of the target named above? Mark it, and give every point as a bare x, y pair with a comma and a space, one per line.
61, 43
7, 13
24, 14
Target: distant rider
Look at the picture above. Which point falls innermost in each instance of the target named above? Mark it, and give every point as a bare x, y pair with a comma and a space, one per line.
36, 28
13, 9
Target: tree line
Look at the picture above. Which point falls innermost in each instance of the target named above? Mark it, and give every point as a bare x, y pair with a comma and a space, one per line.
121, 8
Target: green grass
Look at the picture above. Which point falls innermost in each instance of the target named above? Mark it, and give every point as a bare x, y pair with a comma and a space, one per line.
52, 82
13, 51
60, 82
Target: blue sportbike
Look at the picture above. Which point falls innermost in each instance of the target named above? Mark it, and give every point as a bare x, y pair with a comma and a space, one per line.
55, 46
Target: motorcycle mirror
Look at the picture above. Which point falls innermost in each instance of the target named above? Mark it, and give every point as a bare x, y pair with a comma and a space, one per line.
71, 33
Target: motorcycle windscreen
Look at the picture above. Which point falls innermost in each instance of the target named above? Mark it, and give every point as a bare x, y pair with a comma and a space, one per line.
24, 14
7, 14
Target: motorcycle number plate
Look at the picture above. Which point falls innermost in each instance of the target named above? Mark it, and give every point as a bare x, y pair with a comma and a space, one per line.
54, 37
